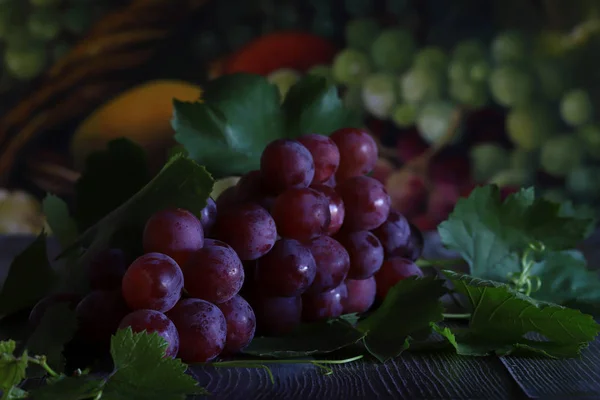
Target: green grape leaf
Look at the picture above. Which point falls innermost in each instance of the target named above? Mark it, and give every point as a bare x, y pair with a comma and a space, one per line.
313, 105
69, 388
241, 113
63, 227
490, 234
12, 369
29, 278
408, 309
501, 318
109, 179
142, 371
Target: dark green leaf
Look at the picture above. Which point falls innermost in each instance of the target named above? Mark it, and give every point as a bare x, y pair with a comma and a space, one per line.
57, 327
12, 369
490, 234
63, 227
86, 387
409, 308
109, 179
227, 132
142, 371
309, 339
30, 278
313, 105
502, 317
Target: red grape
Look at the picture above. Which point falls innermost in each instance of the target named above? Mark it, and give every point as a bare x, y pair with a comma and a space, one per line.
450, 166
330, 182
241, 324
286, 164
176, 233
107, 269
38, 311
202, 330
325, 153
366, 202
153, 281
408, 192
154, 321
99, 314
250, 186
417, 241
208, 215
287, 270
336, 207
366, 253
394, 235
301, 214
393, 271
227, 199
410, 144
358, 152
319, 306
248, 229
361, 295
332, 262
277, 315
382, 170
442, 200
213, 273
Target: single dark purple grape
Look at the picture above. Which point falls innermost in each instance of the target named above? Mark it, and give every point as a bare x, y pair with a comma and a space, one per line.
202, 330
395, 235
38, 311
417, 241
393, 271
361, 295
154, 321
175, 232
366, 253
99, 314
213, 273
336, 207
301, 214
366, 202
153, 281
321, 306
358, 152
325, 153
107, 269
287, 270
227, 199
286, 164
333, 263
248, 228
276, 315
208, 215
241, 324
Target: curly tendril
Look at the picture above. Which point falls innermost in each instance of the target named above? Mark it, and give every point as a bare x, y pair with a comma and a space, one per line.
523, 281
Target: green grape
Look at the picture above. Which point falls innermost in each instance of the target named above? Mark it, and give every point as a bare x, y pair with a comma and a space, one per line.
553, 79
404, 115
511, 86
393, 50
419, 85
469, 51
590, 136
513, 177
528, 127
434, 120
584, 181
20, 38
555, 195
431, 57
284, 79
560, 154
459, 70
351, 67
323, 71
237, 36
77, 19
361, 33
44, 3
44, 24
509, 47
352, 100
25, 63
576, 107
206, 45
524, 159
357, 8
469, 93
487, 160
379, 94
480, 71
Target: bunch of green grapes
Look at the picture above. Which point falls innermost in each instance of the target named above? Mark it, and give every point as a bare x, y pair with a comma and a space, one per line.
468, 72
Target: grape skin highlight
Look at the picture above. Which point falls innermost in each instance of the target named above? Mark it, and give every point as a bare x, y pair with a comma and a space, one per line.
286, 164
208, 215
358, 152
336, 207
333, 263
325, 153
301, 214
366, 202
366, 253
320, 306
154, 321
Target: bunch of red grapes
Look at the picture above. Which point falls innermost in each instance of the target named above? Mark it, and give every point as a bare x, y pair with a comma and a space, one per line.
306, 238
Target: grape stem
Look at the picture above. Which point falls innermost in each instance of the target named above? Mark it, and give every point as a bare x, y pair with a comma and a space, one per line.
42, 362
457, 316
451, 262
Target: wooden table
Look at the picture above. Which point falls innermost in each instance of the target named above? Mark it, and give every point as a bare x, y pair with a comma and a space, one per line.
412, 376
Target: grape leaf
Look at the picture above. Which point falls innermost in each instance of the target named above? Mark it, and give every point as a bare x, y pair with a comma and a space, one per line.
110, 178
69, 388
308, 339
490, 234
12, 369
410, 307
29, 278
63, 227
501, 318
313, 105
142, 371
